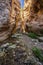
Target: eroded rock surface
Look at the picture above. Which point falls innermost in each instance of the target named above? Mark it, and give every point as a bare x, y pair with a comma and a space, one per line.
5, 25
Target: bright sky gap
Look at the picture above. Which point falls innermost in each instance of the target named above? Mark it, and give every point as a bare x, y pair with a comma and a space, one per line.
22, 3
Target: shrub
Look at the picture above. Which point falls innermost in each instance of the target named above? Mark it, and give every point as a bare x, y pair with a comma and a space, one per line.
38, 53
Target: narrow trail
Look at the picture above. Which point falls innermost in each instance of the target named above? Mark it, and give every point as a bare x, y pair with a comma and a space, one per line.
31, 42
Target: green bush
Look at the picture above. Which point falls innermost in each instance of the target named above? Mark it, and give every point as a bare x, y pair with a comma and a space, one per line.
32, 35
38, 53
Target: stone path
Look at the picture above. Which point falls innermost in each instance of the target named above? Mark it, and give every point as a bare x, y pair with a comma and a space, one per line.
31, 42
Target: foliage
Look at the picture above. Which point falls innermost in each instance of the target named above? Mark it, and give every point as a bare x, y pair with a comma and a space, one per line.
32, 35
38, 53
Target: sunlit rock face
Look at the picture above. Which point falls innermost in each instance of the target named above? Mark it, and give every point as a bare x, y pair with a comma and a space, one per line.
33, 10
9, 11
27, 7
4, 19
37, 16
32, 7
16, 7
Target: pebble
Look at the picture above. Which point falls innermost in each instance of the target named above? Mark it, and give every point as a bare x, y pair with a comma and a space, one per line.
5, 45
12, 46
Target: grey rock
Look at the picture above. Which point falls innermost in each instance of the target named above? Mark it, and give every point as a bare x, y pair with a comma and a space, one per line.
38, 63
35, 40
5, 45
40, 39
2, 53
12, 46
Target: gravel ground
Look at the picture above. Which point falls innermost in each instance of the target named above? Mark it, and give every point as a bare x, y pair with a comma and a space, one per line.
17, 51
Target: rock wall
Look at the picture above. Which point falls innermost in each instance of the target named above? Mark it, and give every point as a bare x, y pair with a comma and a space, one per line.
35, 16
4, 19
